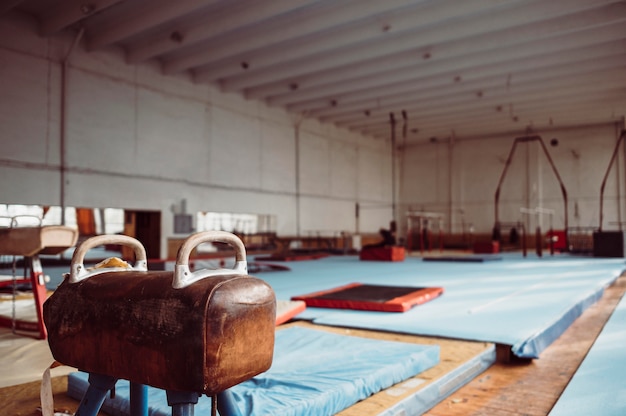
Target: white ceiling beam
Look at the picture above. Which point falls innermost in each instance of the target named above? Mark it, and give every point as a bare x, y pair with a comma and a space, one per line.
488, 28
544, 108
483, 85
443, 85
491, 65
501, 96
324, 16
66, 13
364, 30
142, 19
579, 116
373, 98
233, 17
7, 5
487, 125
420, 119
535, 122
567, 45
506, 128
439, 103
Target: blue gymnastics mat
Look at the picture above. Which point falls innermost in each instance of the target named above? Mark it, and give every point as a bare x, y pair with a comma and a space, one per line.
314, 372
598, 386
525, 303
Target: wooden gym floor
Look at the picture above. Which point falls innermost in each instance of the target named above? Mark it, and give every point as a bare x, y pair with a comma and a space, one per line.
518, 387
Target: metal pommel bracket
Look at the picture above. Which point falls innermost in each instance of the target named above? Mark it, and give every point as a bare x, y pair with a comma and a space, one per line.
79, 272
184, 277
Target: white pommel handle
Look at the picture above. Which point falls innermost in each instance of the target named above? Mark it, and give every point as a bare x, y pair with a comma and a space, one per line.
183, 276
78, 271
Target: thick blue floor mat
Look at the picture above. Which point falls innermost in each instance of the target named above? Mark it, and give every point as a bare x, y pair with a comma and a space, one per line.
523, 302
314, 373
599, 387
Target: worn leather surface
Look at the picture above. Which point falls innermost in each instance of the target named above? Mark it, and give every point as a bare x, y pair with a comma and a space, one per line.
133, 325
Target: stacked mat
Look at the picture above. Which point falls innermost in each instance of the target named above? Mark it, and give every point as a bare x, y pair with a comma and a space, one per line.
314, 373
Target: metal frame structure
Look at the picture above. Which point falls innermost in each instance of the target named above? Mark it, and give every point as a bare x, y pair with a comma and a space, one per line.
527, 139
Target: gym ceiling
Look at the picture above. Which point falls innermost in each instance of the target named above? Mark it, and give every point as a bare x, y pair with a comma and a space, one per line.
458, 68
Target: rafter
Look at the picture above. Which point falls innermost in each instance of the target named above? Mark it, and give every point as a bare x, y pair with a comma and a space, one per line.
69, 12
129, 24
613, 35
363, 30
502, 96
230, 18
488, 29
324, 16
486, 85
373, 97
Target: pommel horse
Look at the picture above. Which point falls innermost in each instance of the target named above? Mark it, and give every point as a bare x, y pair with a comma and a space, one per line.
189, 333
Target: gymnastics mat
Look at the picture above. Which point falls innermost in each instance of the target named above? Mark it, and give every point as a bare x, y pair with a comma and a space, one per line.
371, 297
597, 387
287, 309
292, 257
525, 303
468, 258
315, 373
391, 253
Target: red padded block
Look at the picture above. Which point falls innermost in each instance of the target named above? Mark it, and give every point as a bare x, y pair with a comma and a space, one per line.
558, 237
380, 298
390, 253
487, 247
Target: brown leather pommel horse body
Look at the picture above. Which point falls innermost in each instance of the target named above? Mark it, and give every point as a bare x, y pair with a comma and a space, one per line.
185, 331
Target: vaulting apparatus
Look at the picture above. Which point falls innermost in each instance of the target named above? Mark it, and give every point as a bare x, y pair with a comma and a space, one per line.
29, 242
189, 333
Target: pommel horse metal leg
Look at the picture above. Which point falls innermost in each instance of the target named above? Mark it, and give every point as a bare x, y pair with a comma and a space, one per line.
138, 399
226, 404
181, 402
99, 387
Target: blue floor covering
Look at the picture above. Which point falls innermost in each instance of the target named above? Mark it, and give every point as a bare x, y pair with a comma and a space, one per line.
314, 373
525, 303
522, 302
599, 385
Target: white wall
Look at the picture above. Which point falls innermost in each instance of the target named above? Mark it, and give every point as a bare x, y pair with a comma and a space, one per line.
136, 139
460, 180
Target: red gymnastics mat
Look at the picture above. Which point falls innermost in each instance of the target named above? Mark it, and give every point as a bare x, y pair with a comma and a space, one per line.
292, 257
371, 297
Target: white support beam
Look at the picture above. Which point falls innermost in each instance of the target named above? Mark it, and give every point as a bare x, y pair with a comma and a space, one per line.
502, 96
529, 76
68, 12
324, 16
129, 24
607, 102
558, 45
362, 31
222, 21
498, 107
488, 28
488, 125
559, 108
372, 97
